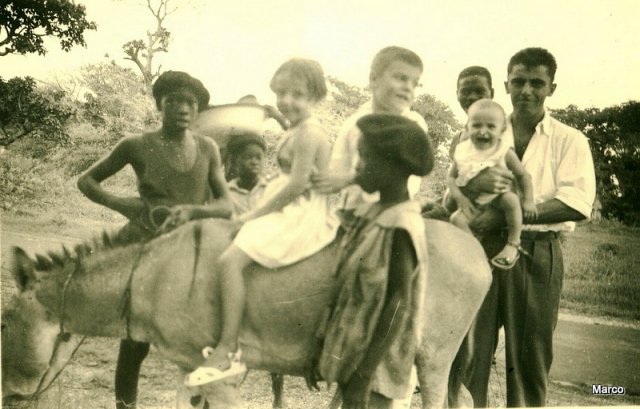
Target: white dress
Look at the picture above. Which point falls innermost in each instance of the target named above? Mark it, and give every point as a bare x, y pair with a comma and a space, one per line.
293, 233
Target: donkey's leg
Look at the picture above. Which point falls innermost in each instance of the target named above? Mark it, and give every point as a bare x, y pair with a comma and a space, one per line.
277, 386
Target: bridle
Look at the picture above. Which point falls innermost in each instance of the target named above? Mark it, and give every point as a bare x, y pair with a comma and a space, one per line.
64, 336
61, 338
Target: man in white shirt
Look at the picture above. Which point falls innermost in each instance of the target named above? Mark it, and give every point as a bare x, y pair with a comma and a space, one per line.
525, 299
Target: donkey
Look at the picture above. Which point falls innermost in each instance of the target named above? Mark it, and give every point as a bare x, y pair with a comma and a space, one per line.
164, 292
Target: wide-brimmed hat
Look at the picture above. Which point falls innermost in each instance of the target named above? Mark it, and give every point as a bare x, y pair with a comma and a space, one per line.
175, 80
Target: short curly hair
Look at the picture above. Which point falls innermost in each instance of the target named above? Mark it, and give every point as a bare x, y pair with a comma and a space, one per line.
176, 80
532, 57
475, 71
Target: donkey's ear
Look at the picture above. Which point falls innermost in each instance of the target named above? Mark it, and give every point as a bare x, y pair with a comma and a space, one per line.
23, 270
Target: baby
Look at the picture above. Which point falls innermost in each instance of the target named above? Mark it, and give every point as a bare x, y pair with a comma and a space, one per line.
481, 149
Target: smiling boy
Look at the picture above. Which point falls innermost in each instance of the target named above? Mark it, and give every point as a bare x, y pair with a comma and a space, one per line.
393, 79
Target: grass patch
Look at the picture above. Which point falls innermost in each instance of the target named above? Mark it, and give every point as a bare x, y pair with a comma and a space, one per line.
601, 273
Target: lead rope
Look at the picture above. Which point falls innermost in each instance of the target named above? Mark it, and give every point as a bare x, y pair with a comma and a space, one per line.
125, 303
62, 336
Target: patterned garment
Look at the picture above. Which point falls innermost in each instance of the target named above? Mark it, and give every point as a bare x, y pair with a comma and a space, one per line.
362, 274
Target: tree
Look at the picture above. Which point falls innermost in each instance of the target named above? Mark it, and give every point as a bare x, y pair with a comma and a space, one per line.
614, 137
141, 52
118, 102
25, 23
26, 110
442, 123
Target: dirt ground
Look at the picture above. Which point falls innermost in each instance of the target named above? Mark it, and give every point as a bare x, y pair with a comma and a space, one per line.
87, 382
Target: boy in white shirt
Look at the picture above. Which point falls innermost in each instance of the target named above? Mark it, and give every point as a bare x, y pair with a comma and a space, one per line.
394, 76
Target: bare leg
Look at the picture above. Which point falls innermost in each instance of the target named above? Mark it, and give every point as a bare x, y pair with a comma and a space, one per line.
230, 266
460, 220
510, 205
224, 361
130, 358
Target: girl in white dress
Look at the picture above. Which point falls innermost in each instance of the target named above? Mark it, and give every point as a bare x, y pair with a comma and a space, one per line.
290, 223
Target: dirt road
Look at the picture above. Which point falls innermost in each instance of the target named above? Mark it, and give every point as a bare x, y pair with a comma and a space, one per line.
585, 353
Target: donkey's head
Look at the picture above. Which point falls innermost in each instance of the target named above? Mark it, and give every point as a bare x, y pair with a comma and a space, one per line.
29, 333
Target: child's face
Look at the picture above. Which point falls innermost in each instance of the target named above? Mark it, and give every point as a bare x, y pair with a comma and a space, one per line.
485, 127
250, 161
473, 88
293, 98
394, 90
179, 109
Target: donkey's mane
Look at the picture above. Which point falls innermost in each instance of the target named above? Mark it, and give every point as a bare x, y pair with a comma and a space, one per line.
64, 257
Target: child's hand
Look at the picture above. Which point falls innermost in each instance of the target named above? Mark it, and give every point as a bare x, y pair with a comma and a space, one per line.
529, 210
272, 112
326, 183
178, 215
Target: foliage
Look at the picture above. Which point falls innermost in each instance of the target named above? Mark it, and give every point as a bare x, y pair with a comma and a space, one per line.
346, 98
141, 52
442, 123
118, 102
614, 137
25, 23
442, 126
23, 179
27, 110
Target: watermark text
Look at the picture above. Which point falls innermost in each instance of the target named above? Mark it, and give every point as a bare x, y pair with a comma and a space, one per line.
607, 390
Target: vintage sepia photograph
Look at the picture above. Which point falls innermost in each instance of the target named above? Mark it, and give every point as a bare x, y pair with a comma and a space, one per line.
319, 204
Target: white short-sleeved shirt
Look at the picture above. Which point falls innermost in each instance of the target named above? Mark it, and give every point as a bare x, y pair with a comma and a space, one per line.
559, 161
344, 157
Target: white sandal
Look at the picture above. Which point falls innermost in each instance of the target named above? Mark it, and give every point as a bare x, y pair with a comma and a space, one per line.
206, 374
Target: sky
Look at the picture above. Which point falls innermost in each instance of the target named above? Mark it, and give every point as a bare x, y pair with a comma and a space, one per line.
235, 46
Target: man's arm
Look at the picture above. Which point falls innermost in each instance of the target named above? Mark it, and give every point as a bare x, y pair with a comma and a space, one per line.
89, 182
491, 180
575, 178
554, 211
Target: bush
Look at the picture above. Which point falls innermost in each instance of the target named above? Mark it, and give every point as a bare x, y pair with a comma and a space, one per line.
23, 180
